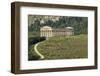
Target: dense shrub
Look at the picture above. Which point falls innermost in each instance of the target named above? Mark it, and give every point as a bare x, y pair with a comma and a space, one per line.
34, 40
32, 56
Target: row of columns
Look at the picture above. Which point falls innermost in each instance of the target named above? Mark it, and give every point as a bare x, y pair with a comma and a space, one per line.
46, 33
50, 33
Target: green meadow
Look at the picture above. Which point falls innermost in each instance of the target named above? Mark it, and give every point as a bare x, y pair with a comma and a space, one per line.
64, 47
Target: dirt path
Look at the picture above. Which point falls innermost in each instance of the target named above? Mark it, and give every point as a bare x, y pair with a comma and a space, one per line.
35, 49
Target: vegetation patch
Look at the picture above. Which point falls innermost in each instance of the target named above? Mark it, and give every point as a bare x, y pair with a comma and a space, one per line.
69, 47
32, 55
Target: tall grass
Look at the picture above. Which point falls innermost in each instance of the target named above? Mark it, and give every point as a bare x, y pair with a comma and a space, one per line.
69, 47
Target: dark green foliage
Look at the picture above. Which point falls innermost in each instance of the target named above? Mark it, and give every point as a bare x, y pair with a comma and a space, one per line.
31, 54
34, 40
31, 42
80, 24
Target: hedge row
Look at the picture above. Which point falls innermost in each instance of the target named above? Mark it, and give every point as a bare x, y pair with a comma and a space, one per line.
34, 40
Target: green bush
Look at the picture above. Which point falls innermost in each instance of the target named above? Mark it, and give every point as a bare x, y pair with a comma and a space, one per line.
32, 56
34, 40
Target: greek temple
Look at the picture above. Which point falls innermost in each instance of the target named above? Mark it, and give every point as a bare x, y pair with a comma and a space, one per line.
47, 31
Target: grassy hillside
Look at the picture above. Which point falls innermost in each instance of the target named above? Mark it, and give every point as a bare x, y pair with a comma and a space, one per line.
69, 47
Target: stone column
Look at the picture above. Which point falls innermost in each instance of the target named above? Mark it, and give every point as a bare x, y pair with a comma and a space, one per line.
43, 33
46, 33
49, 33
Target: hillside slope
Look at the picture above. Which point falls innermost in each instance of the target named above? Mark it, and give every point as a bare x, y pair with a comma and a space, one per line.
69, 47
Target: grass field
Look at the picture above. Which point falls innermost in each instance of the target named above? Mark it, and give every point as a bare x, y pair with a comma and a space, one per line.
33, 34
69, 47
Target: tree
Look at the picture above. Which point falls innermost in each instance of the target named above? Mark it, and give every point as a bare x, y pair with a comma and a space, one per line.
80, 24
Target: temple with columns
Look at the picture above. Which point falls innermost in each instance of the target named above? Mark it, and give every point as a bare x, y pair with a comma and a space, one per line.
47, 31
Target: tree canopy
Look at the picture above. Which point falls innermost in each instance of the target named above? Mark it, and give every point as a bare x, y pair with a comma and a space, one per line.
80, 24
